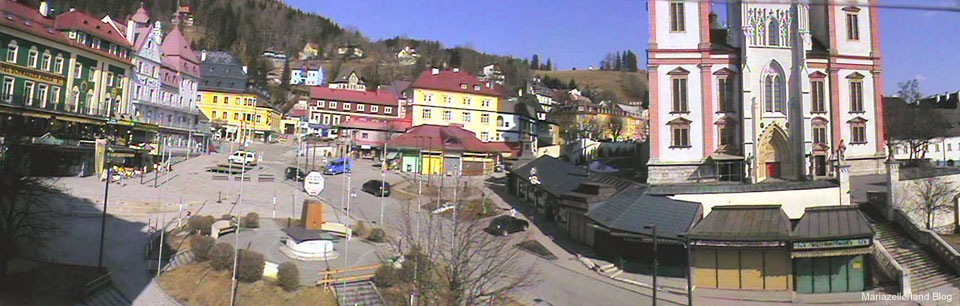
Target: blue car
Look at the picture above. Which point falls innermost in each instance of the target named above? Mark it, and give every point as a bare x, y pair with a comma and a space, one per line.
338, 166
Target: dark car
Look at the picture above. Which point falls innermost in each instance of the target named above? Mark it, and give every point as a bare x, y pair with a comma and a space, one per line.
505, 224
295, 174
377, 187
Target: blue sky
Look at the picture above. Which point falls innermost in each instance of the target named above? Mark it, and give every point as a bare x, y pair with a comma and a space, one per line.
578, 33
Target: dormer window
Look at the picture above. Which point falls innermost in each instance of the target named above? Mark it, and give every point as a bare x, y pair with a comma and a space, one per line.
463, 86
476, 87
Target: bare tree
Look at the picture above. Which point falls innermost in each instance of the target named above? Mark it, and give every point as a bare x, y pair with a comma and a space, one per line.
903, 128
615, 126
932, 196
455, 262
28, 219
481, 267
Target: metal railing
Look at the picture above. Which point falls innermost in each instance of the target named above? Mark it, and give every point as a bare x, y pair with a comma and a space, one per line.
941, 248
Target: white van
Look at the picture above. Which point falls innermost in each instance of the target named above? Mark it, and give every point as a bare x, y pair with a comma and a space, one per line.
243, 157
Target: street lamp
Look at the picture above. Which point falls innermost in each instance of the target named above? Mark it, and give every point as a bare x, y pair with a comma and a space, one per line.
653, 227
689, 274
103, 219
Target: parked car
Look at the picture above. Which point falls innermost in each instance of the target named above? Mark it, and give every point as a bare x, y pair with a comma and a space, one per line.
503, 225
294, 174
445, 207
377, 187
338, 166
243, 157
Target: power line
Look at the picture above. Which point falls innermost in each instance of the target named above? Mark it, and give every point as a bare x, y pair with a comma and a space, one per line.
822, 3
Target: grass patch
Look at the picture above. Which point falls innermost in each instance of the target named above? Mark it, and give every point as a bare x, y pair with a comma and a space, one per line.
198, 284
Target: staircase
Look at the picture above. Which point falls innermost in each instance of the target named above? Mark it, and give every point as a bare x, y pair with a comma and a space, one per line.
926, 271
108, 296
358, 294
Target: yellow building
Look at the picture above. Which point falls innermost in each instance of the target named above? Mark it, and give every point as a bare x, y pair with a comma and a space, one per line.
598, 122
240, 115
454, 97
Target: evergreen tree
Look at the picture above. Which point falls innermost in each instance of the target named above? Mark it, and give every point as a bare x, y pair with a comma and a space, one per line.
455, 60
630, 61
535, 62
619, 64
549, 65
572, 84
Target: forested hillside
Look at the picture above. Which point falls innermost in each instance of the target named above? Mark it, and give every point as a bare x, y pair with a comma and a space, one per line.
248, 27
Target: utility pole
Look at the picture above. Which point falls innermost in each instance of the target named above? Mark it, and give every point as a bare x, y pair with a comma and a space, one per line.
236, 244
162, 226
383, 178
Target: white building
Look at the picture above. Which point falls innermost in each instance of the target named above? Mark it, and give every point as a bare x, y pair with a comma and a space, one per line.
144, 87
773, 95
941, 151
308, 73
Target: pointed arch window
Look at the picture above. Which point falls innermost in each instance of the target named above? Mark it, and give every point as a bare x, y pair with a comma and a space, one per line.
773, 32
774, 96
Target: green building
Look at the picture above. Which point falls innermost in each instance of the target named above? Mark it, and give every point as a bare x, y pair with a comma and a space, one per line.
62, 86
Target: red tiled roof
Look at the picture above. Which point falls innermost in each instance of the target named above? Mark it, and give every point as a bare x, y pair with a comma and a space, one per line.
381, 97
448, 80
298, 112
28, 19
77, 20
380, 124
176, 44
443, 138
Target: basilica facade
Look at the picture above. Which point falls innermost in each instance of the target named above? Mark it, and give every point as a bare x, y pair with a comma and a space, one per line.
783, 91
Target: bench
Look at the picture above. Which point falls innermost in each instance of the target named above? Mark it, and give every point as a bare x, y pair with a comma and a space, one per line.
220, 178
245, 178
265, 178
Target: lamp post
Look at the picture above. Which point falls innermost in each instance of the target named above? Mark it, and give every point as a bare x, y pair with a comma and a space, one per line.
236, 244
653, 227
103, 220
689, 274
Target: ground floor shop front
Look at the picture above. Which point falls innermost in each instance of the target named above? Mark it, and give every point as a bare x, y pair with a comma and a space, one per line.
844, 273
742, 268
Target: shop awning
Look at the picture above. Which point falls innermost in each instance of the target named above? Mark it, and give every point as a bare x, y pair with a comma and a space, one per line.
79, 119
829, 253
392, 155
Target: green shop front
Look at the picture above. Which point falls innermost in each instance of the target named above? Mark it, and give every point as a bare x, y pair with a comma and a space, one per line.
831, 248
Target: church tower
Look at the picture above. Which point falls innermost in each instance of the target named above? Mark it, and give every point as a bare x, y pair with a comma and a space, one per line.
783, 92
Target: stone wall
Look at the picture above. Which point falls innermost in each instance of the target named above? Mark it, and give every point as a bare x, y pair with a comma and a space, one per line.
678, 173
903, 194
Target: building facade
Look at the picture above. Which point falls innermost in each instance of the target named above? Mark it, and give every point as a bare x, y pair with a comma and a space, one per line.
347, 97
238, 112
586, 119
455, 97
309, 73
63, 81
163, 86
781, 92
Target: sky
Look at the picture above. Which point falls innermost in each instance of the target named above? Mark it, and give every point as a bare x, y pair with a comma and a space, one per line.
915, 44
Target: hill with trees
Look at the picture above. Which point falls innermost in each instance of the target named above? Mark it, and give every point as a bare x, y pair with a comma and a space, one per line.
618, 86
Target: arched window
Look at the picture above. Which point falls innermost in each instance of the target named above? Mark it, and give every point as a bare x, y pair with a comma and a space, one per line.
773, 89
773, 32
500, 121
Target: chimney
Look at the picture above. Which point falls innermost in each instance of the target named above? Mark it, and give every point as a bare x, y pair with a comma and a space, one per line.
456, 69
244, 69
129, 33
203, 55
44, 9
435, 71
488, 84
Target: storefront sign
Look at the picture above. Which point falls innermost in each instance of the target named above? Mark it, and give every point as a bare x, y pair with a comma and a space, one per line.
745, 244
830, 244
35, 75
